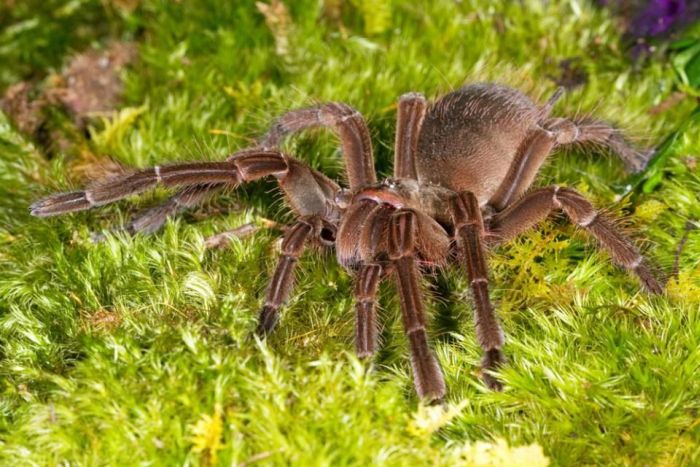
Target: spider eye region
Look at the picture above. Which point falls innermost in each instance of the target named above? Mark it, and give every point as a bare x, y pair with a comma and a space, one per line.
381, 195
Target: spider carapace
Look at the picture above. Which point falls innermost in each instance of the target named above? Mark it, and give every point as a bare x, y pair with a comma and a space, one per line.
463, 169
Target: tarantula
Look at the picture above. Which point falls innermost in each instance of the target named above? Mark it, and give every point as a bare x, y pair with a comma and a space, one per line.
463, 165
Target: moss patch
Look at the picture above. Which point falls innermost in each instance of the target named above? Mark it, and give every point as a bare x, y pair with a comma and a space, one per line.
140, 349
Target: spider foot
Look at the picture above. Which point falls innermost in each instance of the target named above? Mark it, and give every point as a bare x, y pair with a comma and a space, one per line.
427, 375
636, 161
492, 360
649, 279
267, 321
435, 401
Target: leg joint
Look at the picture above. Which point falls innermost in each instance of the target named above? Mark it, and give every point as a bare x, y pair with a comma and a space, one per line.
555, 198
589, 219
252, 165
465, 210
418, 328
89, 198
479, 280
636, 263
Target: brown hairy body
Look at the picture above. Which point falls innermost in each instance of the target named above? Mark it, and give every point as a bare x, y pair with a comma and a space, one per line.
463, 170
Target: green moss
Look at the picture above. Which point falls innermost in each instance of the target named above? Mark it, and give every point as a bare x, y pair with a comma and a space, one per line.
140, 349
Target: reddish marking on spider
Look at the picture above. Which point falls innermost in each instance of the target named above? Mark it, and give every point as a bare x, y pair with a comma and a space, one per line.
381, 195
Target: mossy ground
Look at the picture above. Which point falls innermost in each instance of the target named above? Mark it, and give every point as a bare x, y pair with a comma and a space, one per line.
139, 349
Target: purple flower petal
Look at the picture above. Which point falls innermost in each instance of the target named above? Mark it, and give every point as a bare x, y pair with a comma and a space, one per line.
658, 18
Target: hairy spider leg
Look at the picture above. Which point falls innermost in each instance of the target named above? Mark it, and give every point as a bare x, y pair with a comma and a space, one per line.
366, 326
152, 219
469, 234
282, 281
531, 154
308, 192
589, 132
114, 189
345, 121
244, 166
427, 375
540, 203
554, 132
350, 126
409, 119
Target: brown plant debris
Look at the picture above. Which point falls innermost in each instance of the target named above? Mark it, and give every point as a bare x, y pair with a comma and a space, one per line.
668, 103
19, 105
91, 83
103, 321
224, 238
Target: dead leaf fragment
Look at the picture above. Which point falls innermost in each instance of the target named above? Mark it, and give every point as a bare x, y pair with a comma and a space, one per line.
668, 103
92, 83
103, 321
224, 238
22, 109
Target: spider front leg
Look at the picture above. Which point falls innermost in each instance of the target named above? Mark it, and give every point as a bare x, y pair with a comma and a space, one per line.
538, 204
469, 233
427, 374
308, 191
347, 122
185, 174
361, 241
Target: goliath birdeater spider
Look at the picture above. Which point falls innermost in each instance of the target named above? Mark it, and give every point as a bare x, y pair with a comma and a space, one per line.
463, 166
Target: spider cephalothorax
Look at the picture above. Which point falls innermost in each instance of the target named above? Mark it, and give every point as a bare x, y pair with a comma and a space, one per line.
462, 172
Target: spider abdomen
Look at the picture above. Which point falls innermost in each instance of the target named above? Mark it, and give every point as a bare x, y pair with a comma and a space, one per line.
470, 136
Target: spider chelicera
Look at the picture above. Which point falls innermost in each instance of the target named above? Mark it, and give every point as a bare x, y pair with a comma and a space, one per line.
463, 168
